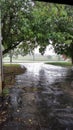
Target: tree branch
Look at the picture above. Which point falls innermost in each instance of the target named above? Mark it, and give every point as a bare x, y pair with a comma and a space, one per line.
10, 48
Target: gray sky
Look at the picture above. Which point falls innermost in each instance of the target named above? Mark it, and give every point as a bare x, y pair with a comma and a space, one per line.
49, 50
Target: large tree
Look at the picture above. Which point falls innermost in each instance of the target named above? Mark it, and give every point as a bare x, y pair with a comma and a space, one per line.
30, 24
62, 36
55, 24
15, 22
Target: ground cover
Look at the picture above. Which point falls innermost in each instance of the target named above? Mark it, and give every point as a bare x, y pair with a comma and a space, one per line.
64, 64
10, 71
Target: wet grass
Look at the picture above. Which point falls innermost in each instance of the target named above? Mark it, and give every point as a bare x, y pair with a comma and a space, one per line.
63, 64
5, 92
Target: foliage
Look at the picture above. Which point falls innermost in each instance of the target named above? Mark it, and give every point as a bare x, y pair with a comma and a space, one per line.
31, 24
55, 27
63, 32
15, 22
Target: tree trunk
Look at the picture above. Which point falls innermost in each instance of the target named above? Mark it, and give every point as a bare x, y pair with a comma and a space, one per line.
0, 69
10, 55
72, 59
0, 59
71, 51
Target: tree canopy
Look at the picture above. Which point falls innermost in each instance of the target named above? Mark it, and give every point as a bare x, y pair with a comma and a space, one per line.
31, 24
55, 27
15, 22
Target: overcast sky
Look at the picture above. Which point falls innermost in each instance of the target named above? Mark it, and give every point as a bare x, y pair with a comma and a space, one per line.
49, 50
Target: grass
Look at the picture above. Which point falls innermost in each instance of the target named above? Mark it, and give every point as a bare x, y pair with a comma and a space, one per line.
13, 68
10, 71
26, 58
5, 92
63, 64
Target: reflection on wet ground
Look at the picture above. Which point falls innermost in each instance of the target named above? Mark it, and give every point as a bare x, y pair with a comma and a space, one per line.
38, 100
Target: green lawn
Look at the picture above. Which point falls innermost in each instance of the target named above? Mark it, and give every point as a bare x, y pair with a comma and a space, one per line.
63, 64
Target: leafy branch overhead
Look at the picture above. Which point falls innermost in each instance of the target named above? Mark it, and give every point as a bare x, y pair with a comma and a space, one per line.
15, 22
29, 24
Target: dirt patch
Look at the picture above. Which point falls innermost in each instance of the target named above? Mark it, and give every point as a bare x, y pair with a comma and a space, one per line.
10, 71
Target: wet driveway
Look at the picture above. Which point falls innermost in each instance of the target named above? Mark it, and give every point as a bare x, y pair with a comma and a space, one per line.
41, 99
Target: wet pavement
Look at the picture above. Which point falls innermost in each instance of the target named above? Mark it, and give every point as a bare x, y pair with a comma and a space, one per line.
40, 99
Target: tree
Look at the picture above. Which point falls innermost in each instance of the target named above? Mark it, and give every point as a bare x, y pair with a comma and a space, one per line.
32, 24
62, 38
55, 25
15, 22
1, 77
13, 54
22, 24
